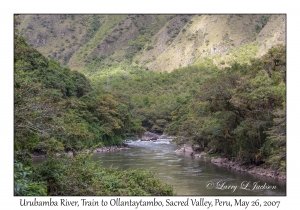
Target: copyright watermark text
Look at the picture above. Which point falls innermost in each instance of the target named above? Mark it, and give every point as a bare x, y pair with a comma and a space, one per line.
245, 185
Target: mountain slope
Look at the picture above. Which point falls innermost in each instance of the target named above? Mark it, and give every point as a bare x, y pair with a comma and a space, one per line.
155, 42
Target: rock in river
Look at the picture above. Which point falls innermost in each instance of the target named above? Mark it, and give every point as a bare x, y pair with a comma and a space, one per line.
147, 136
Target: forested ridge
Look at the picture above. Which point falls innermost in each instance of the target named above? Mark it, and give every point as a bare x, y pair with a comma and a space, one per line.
238, 112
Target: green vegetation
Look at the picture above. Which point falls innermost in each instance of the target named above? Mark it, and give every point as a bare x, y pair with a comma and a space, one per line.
237, 111
210, 155
60, 35
80, 176
55, 111
52, 102
243, 53
24, 182
153, 96
98, 34
233, 111
263, 21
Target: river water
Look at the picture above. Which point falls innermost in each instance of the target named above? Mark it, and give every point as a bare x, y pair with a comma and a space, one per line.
186, 174
189, 175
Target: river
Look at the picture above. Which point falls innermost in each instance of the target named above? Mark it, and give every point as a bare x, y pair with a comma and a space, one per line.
188, 175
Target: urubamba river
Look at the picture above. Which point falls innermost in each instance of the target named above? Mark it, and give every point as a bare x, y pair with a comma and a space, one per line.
189, 175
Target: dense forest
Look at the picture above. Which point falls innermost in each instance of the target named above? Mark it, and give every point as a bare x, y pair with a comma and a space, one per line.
55, 111
237, 111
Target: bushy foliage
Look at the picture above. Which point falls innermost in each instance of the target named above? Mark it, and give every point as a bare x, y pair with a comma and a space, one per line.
234, 111
56, 110
54, 104
274, 148
229, 110
24, 185
80, 176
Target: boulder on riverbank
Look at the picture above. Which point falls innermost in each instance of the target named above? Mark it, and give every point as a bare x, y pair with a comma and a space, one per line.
188, 149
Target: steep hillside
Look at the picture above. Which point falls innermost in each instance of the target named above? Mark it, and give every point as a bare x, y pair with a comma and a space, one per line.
223, 38
91, 43
58, 36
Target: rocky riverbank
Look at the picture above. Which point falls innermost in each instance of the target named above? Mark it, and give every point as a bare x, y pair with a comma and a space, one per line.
238, 166
71, 154
259, 170
111, 148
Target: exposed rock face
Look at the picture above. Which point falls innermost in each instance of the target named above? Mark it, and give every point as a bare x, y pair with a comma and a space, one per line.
147, 136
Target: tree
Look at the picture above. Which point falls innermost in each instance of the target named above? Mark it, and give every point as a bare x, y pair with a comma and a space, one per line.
275, 147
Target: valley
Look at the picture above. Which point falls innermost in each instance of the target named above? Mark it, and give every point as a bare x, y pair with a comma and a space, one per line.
214, 82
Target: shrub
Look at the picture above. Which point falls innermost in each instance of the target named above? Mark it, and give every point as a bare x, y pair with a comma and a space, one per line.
24, 184
80, 176
149, 48
258, 28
